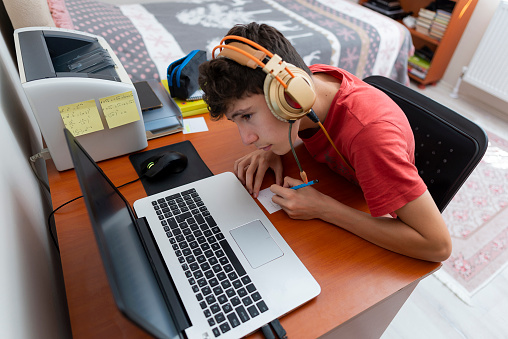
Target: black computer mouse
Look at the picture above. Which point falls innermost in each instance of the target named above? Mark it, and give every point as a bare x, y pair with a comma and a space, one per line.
164, 163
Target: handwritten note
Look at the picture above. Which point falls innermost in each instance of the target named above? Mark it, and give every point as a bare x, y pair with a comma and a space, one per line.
265, 198
119, 109
81, 118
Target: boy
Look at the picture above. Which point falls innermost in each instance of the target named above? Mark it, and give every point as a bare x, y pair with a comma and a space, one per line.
369, 130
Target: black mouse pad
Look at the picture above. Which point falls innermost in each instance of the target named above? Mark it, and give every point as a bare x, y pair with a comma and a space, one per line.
196, 168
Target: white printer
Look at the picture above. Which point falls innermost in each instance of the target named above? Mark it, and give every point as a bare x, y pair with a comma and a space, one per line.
60, 67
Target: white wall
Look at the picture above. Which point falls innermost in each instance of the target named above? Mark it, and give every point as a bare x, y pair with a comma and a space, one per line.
32, 295
464, 52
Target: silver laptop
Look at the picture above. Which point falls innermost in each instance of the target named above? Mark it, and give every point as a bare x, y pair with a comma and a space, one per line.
198, 261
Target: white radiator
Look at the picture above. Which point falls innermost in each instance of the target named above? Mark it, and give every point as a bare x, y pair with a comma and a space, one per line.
488, 69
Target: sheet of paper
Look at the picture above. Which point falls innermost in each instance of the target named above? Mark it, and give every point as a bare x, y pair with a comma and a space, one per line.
81, 118
194, 125
265, 198
120, 109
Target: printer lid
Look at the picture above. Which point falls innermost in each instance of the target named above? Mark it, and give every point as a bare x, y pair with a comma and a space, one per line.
53, 54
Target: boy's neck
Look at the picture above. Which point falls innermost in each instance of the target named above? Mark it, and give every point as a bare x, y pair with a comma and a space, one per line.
326, 88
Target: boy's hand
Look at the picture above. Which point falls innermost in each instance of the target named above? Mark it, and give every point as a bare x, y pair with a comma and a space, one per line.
251, 169
304, 203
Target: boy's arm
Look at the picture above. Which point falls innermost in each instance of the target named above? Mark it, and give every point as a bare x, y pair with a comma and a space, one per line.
419, 232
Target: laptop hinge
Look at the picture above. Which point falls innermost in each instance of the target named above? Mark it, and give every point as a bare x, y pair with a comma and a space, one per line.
166, 284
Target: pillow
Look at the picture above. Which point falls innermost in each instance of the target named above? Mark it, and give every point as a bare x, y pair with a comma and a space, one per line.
28, 13
60, 15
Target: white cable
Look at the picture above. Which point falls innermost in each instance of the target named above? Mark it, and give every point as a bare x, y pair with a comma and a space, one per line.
43, 154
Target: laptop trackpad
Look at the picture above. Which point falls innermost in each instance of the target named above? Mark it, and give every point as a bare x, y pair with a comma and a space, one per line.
256, 243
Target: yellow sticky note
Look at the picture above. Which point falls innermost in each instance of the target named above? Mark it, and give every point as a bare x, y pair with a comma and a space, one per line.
120, 109
81, 118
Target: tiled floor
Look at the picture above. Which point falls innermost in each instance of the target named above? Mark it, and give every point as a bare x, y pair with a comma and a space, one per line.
433, 311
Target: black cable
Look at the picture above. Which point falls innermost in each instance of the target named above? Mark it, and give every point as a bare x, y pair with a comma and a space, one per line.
68, 202
313, 116
279, 330
291, 144
267, 332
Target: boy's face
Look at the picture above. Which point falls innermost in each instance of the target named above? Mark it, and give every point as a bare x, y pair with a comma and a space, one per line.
259, 127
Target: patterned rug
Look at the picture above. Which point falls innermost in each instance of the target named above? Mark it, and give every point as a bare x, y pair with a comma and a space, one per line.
477, 218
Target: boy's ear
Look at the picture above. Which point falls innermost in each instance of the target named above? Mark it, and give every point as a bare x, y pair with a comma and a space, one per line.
294, 101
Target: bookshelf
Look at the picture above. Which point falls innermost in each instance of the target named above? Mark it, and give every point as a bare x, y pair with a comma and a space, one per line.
443, 49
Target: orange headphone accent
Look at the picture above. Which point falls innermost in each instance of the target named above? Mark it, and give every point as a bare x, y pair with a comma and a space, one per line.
289, 91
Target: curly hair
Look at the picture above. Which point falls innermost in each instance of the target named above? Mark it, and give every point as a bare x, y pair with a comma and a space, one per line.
224, 81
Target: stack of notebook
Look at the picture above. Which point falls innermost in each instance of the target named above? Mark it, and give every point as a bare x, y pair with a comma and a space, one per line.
188, 107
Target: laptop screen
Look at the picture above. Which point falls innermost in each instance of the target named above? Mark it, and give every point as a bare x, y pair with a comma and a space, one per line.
132, 281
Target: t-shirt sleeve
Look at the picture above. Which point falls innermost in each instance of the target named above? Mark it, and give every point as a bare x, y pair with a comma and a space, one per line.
382, 157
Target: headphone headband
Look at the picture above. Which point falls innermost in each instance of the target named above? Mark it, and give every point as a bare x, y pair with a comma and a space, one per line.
296, 97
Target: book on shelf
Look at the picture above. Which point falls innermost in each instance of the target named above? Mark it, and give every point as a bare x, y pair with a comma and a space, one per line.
424, 20
419, 61
388, 3
443, 15
426, 13
422, 27
417, 72
433, 23
439, 24
188, 107
437, 32
418, 65
425, 53
393, 11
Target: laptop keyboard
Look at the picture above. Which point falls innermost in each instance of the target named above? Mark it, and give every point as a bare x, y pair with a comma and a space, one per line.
223, 289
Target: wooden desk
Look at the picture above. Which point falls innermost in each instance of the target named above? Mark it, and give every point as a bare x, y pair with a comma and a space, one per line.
363, 285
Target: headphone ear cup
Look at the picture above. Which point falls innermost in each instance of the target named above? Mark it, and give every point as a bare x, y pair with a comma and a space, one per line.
284, 103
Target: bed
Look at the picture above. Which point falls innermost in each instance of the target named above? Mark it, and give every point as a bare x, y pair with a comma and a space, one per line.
148, 37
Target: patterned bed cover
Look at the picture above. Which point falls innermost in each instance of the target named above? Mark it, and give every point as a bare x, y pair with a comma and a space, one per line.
148, 37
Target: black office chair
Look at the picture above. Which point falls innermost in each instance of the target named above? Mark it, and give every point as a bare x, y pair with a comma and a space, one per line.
447, 145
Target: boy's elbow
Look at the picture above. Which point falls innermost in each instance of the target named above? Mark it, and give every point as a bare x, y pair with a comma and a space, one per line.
442, 250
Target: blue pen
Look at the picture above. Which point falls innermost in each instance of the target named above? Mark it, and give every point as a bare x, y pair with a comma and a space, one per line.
305, 185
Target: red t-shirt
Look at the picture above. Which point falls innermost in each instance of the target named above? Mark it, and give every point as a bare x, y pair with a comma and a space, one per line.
374, 136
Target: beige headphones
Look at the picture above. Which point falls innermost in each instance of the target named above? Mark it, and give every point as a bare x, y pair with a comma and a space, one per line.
289, 90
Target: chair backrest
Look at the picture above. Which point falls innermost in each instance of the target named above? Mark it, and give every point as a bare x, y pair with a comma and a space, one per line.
447, 145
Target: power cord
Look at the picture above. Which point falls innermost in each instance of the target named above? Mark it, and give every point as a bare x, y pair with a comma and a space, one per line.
43, 154
303, 175
280, 332
50, 217
267, 332
313, 116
